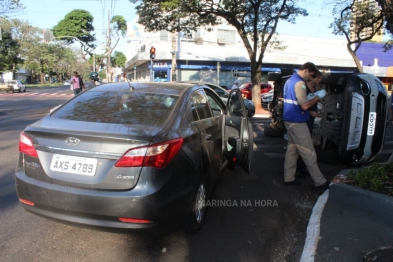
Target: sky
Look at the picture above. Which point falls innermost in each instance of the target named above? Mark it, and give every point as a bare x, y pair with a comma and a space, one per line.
46, 14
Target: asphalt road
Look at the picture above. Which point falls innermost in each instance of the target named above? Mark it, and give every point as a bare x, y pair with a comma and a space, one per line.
251, 217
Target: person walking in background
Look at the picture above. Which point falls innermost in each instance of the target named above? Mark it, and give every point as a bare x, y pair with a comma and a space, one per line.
123, 77
77, 83
296, 116
235, 85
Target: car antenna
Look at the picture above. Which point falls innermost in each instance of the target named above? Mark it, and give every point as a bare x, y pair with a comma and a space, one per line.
131, 87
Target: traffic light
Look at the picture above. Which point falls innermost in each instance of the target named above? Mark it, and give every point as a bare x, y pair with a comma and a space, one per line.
152, 52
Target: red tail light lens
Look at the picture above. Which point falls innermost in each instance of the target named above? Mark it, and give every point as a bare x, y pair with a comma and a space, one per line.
134, 220
158, 155
26, 145
27, 202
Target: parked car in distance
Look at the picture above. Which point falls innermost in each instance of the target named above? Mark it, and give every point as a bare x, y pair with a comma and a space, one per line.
353, 121
4, 86
246, 89
13, 85
266, 98
224, 94
145, 162
67, 82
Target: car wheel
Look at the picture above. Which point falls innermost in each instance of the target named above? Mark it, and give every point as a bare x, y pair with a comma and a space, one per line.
270, 106
24, 90
274, 132
20, 90
246, 165
198, 208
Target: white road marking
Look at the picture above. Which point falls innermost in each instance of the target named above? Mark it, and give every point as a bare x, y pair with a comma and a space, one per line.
313, 229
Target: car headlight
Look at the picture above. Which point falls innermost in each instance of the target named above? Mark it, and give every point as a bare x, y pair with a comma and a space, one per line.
365, 88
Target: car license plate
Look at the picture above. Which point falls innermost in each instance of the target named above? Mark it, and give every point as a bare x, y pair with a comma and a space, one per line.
73, 164
371, 123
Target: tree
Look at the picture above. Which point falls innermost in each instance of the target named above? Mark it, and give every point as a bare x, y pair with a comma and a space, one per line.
9, 53
358, 21
255, 21
25, 35
66, 64
119, 59
77, 25
387, 9
102, 74
43, 57
118, 29
10, 6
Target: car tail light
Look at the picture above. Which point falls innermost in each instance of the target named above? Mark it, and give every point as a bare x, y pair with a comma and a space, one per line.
134, 220
24, 201
158, 155
26, 145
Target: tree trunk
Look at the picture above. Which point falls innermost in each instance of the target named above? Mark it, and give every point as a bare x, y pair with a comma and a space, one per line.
355, 58
256, 85
42, 74
13, 72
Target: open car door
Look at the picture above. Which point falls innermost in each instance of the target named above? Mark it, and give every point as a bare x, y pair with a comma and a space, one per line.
237, 132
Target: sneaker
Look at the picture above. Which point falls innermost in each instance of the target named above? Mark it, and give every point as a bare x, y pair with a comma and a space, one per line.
293, 183
324, 185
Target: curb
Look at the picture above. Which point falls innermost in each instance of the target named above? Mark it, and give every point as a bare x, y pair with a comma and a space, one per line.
378, 205
313, 229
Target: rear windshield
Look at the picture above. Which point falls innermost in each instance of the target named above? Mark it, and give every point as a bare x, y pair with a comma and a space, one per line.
119, 107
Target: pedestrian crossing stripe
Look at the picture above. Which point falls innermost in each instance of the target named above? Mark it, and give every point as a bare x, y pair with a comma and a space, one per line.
37, 94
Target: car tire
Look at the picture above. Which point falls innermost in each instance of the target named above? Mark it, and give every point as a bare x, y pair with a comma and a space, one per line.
24, 90
198, 208
273, 132
246, 165
20, 90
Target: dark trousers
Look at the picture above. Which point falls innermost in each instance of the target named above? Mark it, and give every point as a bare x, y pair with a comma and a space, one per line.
77, 90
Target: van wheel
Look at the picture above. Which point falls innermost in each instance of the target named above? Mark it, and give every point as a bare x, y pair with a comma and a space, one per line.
198, 208
274, 132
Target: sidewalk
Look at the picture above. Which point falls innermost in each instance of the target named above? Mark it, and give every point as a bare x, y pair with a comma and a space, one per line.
349, 224
262, 114
354, 225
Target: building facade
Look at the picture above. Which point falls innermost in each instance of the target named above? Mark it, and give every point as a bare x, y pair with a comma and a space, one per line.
219, 56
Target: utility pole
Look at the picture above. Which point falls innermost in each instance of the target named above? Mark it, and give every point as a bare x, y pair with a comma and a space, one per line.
108, 46
94, 61
173, 69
